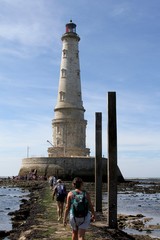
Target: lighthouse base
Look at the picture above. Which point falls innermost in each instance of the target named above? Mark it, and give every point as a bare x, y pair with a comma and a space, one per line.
68, 152
65, 167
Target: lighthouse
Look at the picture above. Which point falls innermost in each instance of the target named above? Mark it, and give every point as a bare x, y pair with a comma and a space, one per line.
68, 156
69, 125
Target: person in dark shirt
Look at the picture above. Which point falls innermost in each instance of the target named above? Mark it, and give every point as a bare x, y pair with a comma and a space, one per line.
60, 192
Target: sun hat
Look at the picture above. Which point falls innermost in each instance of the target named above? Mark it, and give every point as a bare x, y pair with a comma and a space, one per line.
59, 181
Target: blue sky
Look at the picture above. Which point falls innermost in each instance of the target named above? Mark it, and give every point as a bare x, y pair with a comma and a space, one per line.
119, 51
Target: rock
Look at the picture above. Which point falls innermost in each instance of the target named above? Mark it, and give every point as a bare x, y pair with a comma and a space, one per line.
140, 215
3, 234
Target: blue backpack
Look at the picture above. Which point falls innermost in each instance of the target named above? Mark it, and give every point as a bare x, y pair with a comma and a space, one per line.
61, 190
80, 204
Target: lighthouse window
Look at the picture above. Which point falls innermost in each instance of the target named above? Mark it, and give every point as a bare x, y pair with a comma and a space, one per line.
58, 130
78, 73
64, 71
77, 54
64, 53
62, 96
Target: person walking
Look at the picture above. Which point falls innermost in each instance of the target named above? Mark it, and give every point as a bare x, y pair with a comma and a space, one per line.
52, 182
80, 209
60, 192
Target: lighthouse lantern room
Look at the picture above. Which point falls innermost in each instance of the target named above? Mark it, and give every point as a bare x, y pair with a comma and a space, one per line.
70, 27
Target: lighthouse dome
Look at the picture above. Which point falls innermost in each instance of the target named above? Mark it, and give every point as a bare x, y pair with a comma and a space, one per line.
70, 27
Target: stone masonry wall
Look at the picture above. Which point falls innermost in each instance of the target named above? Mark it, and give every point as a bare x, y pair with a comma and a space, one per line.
64, 167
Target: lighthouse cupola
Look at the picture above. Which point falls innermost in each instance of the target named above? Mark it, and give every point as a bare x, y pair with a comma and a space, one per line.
70, 27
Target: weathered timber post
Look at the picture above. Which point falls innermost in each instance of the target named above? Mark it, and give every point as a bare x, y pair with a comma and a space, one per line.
112, 161
98, 163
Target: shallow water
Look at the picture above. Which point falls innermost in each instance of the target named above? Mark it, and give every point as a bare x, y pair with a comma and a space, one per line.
146, 204
131, 202
9, 202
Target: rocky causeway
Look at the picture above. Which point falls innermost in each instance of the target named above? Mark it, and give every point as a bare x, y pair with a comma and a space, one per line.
37, 219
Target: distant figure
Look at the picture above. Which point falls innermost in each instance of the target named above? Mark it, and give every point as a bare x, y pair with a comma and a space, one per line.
79, 205
34, 174
61, 193
29, 176
52, 181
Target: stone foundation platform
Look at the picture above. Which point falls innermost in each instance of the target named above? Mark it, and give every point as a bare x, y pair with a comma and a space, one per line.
65, 167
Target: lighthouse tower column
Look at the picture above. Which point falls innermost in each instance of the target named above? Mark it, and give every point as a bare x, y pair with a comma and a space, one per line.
69, 126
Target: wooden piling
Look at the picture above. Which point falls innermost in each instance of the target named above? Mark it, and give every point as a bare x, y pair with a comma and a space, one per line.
112, 161
98, 163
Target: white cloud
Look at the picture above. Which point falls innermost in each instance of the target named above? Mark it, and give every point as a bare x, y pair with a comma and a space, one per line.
120, 10
30, 23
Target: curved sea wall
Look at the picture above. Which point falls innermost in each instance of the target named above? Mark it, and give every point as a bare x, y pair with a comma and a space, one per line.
64, 167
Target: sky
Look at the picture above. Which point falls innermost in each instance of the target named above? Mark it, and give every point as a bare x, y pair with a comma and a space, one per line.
119, 52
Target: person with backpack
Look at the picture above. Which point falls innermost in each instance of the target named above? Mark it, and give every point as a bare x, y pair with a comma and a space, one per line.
52, 182
80, 209
61, 193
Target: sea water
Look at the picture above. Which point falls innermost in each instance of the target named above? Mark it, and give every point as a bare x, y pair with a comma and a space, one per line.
129, 202
138, 202
10, 200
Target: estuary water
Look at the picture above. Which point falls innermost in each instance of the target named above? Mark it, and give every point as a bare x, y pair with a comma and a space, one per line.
141, 198
10, 200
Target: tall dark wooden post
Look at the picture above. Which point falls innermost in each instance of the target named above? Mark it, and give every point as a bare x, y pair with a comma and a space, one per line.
98, 163
112, 161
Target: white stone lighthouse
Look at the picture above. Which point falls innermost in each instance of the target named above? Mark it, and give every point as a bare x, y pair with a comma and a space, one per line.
69, 126
68, 157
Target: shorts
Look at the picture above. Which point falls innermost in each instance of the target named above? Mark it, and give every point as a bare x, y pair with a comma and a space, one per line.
60, 198
81, 223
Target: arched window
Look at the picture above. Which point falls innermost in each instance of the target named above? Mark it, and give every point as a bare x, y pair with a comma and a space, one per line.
78, 73
77, 54
64, 72
62, 96
64, 53
58, 130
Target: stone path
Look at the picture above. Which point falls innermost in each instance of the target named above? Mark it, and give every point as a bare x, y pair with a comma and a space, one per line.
42, 221
43, 225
